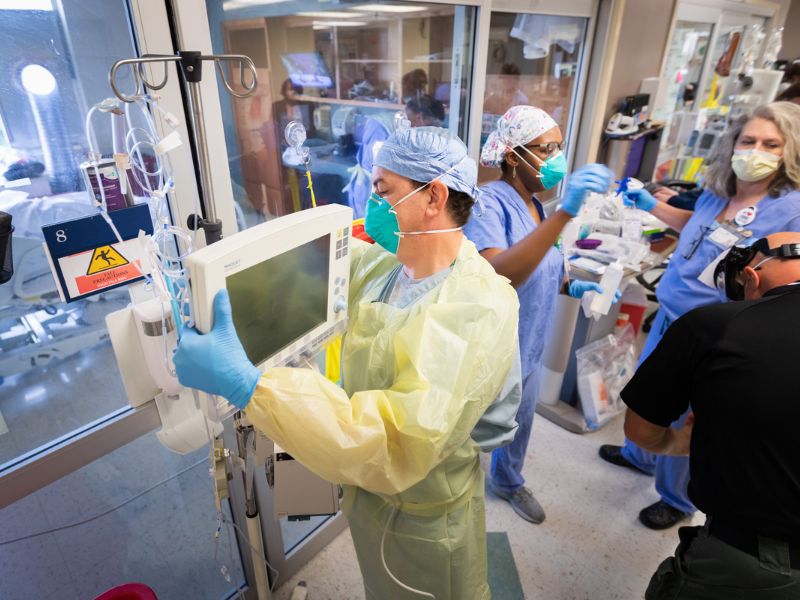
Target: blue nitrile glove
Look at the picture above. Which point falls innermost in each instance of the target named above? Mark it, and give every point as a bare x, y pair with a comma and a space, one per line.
578, 288
641, 199
589, 178
216, 363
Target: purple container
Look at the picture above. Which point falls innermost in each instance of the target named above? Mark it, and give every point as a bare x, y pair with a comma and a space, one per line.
588, 244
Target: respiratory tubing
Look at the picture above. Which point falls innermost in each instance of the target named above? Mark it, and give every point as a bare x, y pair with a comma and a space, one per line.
151, 100
94, 157
389, 523
136, 138
169, 277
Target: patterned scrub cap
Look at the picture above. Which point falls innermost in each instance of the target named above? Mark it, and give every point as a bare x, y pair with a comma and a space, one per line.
517, 127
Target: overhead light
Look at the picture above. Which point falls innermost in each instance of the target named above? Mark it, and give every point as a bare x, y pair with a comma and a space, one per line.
26, 5
37, 80
328, 24
331, 14
390, 8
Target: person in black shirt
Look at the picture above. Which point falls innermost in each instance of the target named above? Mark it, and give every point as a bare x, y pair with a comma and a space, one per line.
736, 364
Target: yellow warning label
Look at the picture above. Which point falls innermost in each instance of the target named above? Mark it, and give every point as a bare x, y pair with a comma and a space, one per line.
104, 258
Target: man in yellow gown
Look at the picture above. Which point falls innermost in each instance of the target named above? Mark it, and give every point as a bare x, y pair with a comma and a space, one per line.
430, 370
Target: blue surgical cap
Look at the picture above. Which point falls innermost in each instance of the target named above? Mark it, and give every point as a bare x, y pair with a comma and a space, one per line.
424, 153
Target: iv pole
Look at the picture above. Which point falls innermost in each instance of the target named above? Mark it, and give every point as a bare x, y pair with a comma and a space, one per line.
191, 65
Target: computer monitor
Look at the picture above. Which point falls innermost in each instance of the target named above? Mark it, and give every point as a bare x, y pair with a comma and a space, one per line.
307, 69
287, 279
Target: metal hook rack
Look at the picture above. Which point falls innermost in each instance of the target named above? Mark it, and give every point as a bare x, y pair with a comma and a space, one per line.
191, 66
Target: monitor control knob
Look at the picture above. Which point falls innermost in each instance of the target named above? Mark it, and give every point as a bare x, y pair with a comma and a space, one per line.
340, 305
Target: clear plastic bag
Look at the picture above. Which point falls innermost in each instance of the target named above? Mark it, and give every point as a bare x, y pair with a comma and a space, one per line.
604, 368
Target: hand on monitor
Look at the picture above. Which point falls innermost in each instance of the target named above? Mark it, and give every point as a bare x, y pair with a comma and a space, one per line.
216, 362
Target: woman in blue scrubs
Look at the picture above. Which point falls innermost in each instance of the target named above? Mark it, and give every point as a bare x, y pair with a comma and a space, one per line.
751, 191
377, 130
516, 238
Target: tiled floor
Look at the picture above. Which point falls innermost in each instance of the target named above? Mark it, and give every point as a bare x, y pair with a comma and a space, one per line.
591, 547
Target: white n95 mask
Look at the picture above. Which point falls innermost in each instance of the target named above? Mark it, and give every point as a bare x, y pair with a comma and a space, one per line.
754, 165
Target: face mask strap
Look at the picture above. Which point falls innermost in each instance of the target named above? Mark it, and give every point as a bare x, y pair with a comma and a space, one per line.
538, 171
402, 234
543, 162
422, 187
761, 262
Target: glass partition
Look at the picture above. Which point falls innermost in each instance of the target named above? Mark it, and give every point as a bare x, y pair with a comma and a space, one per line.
57, 369
139, 514
536, 60
686, 56
345, 72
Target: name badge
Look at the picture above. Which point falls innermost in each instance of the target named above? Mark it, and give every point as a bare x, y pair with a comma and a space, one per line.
723, 238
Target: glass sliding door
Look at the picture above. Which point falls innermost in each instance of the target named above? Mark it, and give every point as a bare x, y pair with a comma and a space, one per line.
138, 512
533, 59
344, 72
57, 371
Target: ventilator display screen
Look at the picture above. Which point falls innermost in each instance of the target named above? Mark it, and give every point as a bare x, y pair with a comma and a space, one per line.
280, 299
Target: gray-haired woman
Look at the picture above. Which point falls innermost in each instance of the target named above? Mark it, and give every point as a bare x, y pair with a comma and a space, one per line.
751, 191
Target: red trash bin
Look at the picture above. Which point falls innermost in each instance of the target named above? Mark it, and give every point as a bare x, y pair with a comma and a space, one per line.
129, 591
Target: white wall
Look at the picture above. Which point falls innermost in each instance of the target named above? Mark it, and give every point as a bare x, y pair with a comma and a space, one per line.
791, 33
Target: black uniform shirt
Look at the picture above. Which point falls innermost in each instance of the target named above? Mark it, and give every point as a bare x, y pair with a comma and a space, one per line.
738, 365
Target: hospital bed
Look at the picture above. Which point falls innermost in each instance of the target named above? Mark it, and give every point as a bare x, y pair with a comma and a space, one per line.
36, 328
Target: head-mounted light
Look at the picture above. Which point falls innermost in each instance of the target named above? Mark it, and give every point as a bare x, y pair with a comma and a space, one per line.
728, 272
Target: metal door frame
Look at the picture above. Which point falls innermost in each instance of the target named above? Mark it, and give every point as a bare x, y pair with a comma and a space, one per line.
192, 25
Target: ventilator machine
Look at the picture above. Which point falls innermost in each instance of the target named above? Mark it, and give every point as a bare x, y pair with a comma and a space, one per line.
288, 284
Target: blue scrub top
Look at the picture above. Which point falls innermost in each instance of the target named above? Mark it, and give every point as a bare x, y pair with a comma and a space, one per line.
359, 188
505, 221
680, 290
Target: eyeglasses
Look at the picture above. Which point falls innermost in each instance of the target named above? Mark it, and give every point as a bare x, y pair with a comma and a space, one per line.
548, 149
690, 251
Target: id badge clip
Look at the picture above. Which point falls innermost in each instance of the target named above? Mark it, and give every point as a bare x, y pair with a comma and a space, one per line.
724, 236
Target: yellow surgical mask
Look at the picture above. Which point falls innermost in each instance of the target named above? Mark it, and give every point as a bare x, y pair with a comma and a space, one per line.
754, 165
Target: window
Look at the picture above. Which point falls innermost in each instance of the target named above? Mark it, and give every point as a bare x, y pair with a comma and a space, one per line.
139, 514
345, 74
57, 370
535, 60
